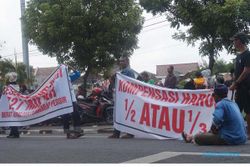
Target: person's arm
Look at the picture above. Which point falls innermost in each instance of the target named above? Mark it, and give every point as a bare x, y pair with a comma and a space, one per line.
242, 76
165, 82
214, 129
218, 118
128, 72
131, 74
174, 82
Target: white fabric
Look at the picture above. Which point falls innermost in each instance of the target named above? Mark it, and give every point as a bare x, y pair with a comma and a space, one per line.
11, 76
52, 99
15, 86
150, 111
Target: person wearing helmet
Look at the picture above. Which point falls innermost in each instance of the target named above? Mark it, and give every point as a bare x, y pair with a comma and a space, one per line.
146, 79
11, 80
199, 81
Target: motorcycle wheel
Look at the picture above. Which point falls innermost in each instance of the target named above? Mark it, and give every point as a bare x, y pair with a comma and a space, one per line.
109, 115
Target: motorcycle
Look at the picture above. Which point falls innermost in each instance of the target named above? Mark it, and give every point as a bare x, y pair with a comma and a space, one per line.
97, 107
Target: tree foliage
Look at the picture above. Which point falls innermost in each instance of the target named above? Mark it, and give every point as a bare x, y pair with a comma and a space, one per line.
210, 22
222, 66
86, 34
7, 65
1, 46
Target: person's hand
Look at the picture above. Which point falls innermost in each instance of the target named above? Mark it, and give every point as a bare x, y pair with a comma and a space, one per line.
232, 87
4, 90
70, 67
214, 129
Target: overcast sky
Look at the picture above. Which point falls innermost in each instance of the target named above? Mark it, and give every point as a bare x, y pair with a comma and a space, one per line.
156, 46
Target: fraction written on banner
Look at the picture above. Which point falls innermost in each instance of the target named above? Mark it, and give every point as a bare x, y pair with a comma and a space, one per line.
154, 112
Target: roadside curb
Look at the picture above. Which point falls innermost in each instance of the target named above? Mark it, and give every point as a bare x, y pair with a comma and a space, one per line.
87, 130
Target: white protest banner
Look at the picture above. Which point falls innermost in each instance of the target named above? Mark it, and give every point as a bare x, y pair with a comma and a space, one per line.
151, 111
52, 99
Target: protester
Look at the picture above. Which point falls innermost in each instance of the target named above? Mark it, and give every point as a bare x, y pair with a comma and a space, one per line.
24, 90
159, 83
228, 126
146, 79
11, 79
230, 82
199, 81
242, 75
77, 132
125, 70
219, 79
189, 84
170, 80
111, 86
139, 77
95, 94
208, 78
81, 92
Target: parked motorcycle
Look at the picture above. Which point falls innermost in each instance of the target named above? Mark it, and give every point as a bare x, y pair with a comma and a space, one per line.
97, 107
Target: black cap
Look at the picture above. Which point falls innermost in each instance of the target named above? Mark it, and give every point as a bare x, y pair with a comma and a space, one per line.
221, 90
244, 38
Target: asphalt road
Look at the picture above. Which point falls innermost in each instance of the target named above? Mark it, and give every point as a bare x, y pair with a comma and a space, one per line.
97, 148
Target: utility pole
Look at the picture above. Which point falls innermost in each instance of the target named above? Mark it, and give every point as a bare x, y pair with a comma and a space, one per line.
25, 42
15, 59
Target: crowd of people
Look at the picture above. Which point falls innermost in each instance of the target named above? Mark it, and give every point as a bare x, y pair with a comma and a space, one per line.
228, 126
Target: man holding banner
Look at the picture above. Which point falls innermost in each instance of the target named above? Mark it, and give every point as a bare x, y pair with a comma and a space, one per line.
52, 99
126, 70
11, 78
77, 132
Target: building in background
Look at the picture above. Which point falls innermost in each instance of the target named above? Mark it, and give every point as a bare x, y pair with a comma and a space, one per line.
41, 74
179, 70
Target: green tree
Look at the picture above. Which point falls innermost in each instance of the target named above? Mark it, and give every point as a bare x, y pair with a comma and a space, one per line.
86, 34
222, 66
6, 65
210, 22
1, 46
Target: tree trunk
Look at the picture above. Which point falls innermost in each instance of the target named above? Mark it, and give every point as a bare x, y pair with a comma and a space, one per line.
211, 61
85, 79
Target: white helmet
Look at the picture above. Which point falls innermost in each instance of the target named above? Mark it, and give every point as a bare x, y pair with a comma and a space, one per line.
11, 76
206, 73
